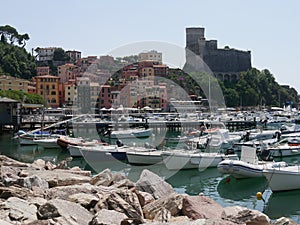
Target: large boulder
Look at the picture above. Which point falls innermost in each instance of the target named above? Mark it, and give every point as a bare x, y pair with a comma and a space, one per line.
107, 217
88, 201
35, 181
123, 201
6, 161
284, 221
144, 197
244, 215
13, 191
201, 207
172, 203
60, 177
64, 192
21, 210
153, 184
68, 211
105, 178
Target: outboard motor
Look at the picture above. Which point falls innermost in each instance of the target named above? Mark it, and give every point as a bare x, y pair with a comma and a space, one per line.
229, 151
119, 143
265, 155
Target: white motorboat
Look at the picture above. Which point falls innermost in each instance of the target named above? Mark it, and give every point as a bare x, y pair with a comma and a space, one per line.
131, 133
183, 159
286, 147
248, 165
283, 178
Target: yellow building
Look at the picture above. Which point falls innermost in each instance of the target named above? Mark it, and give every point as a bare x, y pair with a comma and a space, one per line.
48, 87
13, 83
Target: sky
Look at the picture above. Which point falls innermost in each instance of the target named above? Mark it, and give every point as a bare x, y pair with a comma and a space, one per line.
270, 28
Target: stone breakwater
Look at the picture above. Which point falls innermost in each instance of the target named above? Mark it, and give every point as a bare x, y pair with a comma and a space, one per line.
43, 193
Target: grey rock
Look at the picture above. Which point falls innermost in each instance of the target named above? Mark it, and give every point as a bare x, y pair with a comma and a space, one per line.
144, 197
201, 207
3, 222
65, 210
240, 214
63, 192
35, 181
163, 215
6, 161
88, 201
105, 178
153, 184
125, 183
9, 172
37, 201
107, 217
123, 201
39, 164
172, 203
60, 177
13, 191
21, 210
284, 221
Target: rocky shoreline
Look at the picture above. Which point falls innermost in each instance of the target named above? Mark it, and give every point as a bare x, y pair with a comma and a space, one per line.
43, 193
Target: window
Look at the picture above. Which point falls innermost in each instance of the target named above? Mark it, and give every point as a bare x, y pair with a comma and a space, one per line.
53, 86
53, 92
20, 83
41, 86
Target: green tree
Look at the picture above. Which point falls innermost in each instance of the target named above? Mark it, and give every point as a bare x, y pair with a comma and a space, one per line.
9, 33
60, 55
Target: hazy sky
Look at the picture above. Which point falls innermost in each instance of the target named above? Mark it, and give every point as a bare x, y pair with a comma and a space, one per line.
270, 29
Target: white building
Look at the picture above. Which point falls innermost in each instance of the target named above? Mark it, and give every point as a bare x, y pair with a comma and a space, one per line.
150, 55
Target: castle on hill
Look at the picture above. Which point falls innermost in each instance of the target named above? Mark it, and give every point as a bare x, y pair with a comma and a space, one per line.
204, 55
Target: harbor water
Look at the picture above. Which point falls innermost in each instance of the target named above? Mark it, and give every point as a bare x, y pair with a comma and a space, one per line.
224, 189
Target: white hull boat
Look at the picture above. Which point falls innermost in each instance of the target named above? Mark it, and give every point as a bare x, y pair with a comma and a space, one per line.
283, 178
286, 147
180, 159
131, 133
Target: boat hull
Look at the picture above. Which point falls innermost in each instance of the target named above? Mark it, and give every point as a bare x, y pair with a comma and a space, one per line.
144, 158
283, 179
240, 169
178, 161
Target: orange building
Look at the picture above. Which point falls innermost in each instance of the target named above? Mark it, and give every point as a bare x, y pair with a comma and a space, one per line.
47, 86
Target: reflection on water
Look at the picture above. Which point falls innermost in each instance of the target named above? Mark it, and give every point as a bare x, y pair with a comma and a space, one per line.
238, 189
284, 204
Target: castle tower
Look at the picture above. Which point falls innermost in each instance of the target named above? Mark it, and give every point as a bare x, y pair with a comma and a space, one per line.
204, 55
193, 36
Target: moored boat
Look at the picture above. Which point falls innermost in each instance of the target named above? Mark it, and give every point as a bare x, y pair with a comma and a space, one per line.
283, 178
248, 165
